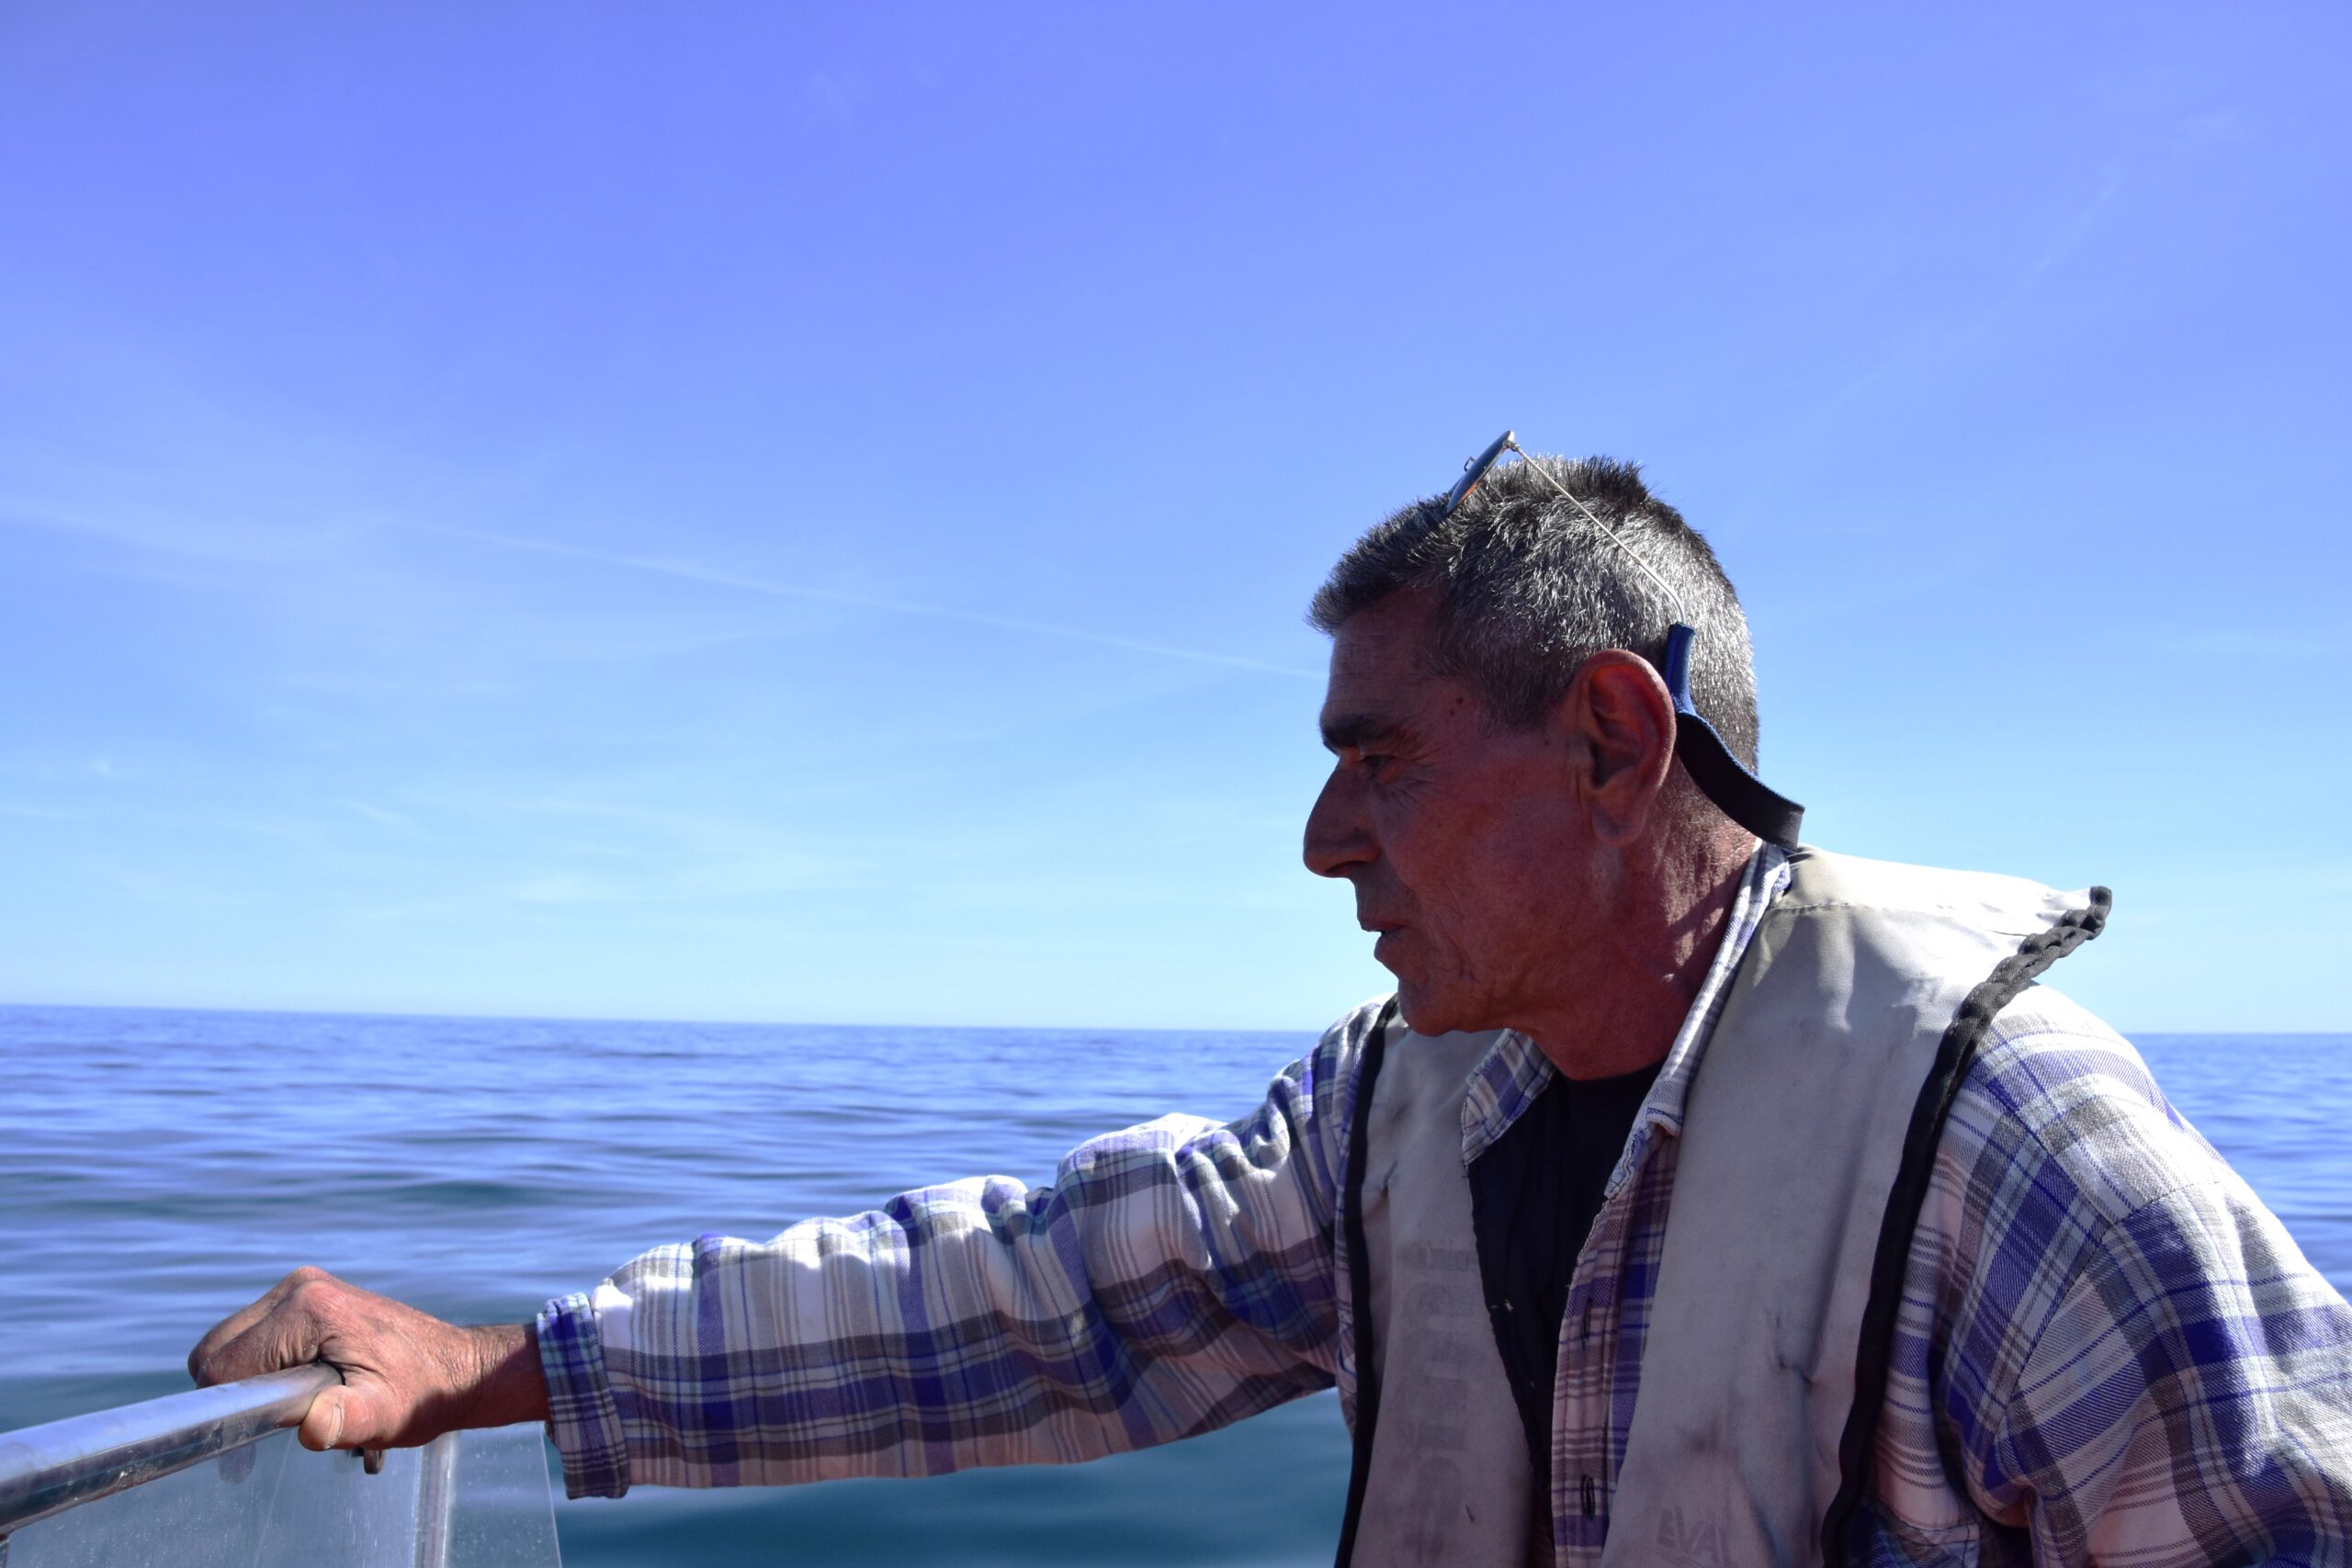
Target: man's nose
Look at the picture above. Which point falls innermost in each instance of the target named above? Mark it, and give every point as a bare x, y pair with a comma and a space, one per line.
1337, 837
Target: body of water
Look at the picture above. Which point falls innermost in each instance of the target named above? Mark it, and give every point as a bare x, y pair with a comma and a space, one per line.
159, 1168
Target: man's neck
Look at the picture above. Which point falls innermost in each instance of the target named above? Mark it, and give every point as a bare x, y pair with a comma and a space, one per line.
1648, 958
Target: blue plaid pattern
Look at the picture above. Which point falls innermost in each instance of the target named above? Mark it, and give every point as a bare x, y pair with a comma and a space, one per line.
2109, 1351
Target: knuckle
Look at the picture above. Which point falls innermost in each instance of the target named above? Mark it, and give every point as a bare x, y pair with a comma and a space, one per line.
312, 1296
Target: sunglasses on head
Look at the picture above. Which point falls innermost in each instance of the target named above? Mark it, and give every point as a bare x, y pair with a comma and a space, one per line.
1721, 777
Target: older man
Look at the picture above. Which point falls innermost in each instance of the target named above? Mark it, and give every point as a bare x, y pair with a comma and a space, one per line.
1697, 1199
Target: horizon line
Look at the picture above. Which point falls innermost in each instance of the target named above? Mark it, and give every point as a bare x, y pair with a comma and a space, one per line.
430, 1014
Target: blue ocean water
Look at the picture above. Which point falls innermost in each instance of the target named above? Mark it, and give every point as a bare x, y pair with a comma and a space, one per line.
159, 1168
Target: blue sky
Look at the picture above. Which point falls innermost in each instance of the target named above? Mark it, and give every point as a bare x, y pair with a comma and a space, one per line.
804, 513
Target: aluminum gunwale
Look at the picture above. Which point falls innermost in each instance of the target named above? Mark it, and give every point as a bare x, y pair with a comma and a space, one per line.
49, 1468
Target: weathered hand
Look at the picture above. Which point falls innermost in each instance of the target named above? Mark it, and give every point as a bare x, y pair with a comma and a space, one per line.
407, 1377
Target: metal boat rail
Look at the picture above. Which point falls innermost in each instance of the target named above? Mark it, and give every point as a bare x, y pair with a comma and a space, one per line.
464, 1500
46, 1469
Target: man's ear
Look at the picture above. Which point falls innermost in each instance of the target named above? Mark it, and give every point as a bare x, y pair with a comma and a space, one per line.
1618, 722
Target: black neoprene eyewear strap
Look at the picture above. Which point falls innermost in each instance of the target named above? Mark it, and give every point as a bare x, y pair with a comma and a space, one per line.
1721, 777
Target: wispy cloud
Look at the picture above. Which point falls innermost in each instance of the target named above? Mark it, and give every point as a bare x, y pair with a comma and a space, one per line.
52, 769
720, 577
832, 97
2062, 245
377, 815
1924, 351
561, 888
2302, 643
145, 885
184, 537
152, 517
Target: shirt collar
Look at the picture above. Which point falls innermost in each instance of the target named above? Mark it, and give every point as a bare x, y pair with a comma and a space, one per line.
1513, 1072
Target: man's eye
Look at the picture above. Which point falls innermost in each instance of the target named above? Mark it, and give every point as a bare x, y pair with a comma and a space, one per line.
1374, 762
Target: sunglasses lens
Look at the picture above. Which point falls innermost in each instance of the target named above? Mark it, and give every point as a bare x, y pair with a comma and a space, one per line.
1473, 471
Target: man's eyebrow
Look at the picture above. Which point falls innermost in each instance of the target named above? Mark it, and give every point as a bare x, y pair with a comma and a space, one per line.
1359, 729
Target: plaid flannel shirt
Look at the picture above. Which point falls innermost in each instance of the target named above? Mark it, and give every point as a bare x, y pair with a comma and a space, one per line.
2108, 1350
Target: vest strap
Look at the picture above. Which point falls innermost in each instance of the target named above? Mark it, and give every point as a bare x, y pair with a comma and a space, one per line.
1360, 1280
1858, 1443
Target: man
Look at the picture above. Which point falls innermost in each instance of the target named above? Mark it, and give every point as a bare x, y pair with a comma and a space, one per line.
1696, 1200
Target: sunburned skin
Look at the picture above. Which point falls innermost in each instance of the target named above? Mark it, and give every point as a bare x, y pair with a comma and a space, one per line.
407, 1377
1522, 878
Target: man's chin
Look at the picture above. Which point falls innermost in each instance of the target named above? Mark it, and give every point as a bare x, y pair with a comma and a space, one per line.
1426, 1010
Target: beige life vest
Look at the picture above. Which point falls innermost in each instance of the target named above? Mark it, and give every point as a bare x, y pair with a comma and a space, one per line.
1808, 1134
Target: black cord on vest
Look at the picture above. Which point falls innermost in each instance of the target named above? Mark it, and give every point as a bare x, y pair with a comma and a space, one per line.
1858, 1445
1360, 1282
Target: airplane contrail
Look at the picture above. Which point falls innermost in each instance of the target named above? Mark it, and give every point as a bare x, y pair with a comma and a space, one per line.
692, 571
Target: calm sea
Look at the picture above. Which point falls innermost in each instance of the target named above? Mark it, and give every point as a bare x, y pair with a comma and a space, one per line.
159, 1168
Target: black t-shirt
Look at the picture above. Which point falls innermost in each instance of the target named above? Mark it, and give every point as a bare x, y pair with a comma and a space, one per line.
1533, 1195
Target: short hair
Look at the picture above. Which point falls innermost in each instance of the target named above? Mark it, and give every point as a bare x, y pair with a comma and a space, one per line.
1526, 590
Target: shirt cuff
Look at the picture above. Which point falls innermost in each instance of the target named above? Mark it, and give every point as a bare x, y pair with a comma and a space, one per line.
581, 1417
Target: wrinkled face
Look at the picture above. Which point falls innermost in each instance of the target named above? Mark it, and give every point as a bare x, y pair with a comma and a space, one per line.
1463, 839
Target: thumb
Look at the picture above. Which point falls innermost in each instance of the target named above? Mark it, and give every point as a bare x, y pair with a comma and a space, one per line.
347, 1418
322, 1426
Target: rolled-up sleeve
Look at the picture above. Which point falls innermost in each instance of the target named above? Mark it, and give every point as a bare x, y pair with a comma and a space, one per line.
1172, 1278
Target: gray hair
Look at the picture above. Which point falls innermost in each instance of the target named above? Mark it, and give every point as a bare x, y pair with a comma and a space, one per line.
1527, 589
